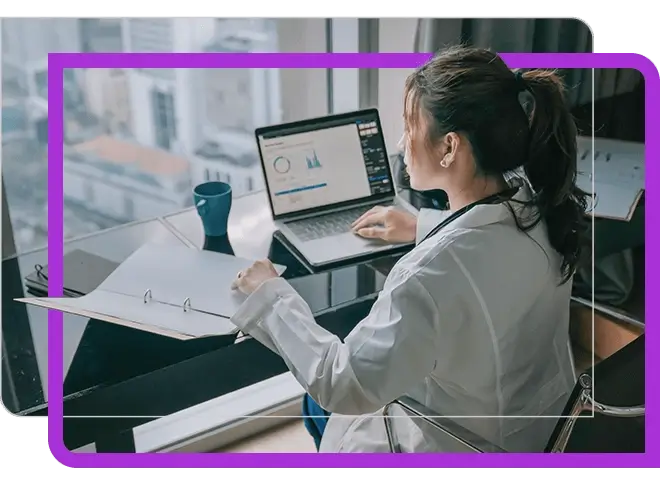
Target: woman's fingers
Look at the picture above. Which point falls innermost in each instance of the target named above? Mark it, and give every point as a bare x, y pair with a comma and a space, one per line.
368, 213
375, 219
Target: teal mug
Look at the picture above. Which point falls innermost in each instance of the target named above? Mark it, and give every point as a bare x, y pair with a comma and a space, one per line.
213, 204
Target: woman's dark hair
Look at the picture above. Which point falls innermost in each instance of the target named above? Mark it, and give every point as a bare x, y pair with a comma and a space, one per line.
472, 92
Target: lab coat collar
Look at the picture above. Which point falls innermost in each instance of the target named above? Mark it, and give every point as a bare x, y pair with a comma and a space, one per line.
484, 215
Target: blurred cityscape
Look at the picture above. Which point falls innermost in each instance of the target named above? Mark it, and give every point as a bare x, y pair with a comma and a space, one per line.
136, 140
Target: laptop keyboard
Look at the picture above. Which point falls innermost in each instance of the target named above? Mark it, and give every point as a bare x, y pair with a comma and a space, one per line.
324, 226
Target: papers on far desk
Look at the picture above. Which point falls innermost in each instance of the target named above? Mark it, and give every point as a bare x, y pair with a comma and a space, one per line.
618, 176
174, 291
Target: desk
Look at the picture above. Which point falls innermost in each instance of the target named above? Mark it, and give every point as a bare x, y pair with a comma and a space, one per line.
117, 378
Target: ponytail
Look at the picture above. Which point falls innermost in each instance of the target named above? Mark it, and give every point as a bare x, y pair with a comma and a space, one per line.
472, 91
551, 168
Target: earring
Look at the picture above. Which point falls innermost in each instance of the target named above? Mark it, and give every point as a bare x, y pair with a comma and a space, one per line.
443, 163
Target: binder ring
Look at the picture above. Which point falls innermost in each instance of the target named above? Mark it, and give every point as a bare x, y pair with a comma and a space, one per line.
40, 271
147, 295
186, 304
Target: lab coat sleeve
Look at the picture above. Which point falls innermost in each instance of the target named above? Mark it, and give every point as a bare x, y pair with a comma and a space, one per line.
427, 219
385, 355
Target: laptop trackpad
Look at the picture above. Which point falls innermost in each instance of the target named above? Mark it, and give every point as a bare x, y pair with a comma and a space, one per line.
348, 243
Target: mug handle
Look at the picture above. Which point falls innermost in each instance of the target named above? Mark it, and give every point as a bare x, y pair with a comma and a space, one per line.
202, 207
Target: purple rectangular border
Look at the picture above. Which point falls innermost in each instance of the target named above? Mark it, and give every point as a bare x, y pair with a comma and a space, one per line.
58, 62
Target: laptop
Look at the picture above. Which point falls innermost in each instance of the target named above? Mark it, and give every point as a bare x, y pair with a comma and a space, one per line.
321, 175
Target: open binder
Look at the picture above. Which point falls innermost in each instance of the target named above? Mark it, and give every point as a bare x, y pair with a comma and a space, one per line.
174, 291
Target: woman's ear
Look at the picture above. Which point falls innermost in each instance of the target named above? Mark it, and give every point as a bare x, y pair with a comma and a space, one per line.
449, 147
452, 141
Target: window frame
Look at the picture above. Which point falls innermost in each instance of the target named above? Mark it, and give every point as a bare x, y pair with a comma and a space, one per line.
317, 36
353, 36
394, 35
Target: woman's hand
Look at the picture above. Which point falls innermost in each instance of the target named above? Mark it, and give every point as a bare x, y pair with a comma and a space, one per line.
387, 224
253, 277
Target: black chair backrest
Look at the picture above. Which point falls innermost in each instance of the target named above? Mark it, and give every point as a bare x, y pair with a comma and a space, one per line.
617, 381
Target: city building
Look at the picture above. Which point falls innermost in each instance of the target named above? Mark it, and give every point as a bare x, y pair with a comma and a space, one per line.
241, 98
166, 103
236, 102
125, 181
233, 160
108, 97
15, 123
208, 115
26, 43
101, 35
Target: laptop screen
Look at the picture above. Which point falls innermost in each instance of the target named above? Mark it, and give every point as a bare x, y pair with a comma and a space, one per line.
329, 161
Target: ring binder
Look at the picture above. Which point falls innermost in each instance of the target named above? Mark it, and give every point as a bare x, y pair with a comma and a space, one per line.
154, 290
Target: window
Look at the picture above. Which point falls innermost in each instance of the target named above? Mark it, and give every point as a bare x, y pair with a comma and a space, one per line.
137, 134
345, 81
395, 35
163, 118
135, 137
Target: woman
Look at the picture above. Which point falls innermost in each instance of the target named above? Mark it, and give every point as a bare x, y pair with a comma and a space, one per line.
473, 322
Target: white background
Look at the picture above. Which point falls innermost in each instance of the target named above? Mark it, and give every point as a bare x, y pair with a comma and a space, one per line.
329, 485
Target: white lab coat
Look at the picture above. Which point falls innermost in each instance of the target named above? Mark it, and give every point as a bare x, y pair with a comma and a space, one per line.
471, 323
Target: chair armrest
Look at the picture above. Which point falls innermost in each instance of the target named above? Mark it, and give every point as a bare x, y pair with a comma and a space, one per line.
590, 404
462, 438
586, 403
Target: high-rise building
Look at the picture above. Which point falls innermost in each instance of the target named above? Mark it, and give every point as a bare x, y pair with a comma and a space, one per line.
101, 35
107, 96
241, 98
236, 101
26, 43
166, 104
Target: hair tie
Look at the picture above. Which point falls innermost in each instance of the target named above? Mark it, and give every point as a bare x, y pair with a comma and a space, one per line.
521, 84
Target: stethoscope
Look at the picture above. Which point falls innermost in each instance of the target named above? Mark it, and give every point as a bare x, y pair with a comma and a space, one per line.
494, 199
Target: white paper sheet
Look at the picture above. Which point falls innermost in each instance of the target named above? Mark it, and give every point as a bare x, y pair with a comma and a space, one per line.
174, 274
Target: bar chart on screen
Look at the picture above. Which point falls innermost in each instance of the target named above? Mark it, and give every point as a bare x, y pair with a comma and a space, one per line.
312, 160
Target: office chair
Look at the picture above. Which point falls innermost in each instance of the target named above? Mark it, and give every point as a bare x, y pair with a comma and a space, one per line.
615, 427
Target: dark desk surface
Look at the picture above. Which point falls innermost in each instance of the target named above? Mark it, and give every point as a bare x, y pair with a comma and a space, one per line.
25, 329
112, 370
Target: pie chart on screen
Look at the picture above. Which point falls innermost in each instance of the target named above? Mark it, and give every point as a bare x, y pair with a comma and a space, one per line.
281, 165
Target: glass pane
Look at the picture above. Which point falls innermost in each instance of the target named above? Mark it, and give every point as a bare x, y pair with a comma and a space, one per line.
138, 140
